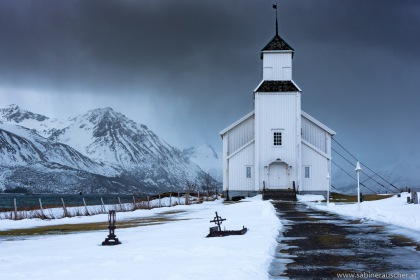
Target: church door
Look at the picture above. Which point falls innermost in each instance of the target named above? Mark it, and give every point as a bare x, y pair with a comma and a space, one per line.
278, 176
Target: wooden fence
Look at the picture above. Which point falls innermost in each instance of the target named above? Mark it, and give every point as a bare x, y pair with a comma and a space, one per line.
167, 199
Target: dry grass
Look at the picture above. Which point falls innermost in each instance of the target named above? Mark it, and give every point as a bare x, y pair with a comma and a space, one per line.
57, 229
337, 197
73, 228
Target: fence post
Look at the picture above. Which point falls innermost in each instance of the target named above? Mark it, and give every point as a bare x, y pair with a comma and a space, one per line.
103, 206
198, 192
84, 202
14, 202
119, 201
179, 200
134, 203
170, 200
187, 197
40, 207
64, 208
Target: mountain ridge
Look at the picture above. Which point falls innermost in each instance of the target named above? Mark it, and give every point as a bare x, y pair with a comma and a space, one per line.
101, 142
207, 158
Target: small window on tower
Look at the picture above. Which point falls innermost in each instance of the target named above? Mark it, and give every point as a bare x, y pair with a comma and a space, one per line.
277, 138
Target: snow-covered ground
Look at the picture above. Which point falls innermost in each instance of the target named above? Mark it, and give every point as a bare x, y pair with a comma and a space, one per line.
394, 210
172, 250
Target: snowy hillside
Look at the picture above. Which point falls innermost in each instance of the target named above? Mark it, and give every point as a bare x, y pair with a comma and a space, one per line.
21, 146
407, 165
106, 135
208, 160
102, 142
16, 150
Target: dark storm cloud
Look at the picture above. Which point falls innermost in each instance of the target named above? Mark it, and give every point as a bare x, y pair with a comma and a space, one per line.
356, 61
89, 41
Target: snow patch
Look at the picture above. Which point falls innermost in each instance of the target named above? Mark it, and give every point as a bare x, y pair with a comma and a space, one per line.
394, 211
310, 197
173, 250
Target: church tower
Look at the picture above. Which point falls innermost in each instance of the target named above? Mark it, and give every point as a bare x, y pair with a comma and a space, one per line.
277, 146
277, 102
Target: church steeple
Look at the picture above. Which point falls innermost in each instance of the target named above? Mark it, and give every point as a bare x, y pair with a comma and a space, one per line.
277, 58
277, 43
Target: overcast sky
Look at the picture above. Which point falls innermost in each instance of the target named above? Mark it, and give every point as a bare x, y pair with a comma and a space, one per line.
187, 68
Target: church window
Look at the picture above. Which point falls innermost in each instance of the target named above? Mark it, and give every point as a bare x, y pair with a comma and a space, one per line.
307, 174
277, 139
248, 171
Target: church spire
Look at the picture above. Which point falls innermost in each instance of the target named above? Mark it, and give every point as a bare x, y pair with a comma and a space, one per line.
277, 23
277, 43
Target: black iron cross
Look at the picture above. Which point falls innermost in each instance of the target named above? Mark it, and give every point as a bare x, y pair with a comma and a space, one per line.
218, 221
111, 221
112, 238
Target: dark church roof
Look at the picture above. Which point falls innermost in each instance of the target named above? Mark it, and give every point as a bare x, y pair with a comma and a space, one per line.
277, 86
277, 44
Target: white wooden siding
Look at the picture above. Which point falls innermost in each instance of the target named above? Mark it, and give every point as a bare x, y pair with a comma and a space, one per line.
225, 138
319, 167
277, 66
237, 170
240, 135
314, 135
277, 111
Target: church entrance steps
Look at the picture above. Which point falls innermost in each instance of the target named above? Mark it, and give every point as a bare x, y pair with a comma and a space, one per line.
285, 195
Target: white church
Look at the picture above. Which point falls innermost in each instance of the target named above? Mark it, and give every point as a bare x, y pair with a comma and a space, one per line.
277, 146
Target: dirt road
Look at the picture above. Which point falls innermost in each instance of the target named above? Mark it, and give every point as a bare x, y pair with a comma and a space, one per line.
320, 245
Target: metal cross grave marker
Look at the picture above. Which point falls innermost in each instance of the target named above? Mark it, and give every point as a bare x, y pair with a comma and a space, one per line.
217, 231
112, 238
218, 221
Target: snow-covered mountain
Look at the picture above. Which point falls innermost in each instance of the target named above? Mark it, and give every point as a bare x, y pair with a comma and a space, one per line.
102, 142
208, 160
21, 146
39, 165
12, 113
105, 135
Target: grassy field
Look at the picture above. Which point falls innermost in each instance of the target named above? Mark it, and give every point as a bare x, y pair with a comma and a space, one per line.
337, 197
72, 228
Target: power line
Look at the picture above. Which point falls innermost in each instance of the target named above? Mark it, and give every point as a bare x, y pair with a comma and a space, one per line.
366, 167
344, 149
381, 177
335, 188
370, 177
342, 156
352, 176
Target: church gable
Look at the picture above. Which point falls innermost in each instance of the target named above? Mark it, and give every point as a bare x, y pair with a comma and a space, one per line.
239, 134
315, 133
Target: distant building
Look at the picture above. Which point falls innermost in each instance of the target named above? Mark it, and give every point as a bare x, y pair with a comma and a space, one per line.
276, 146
